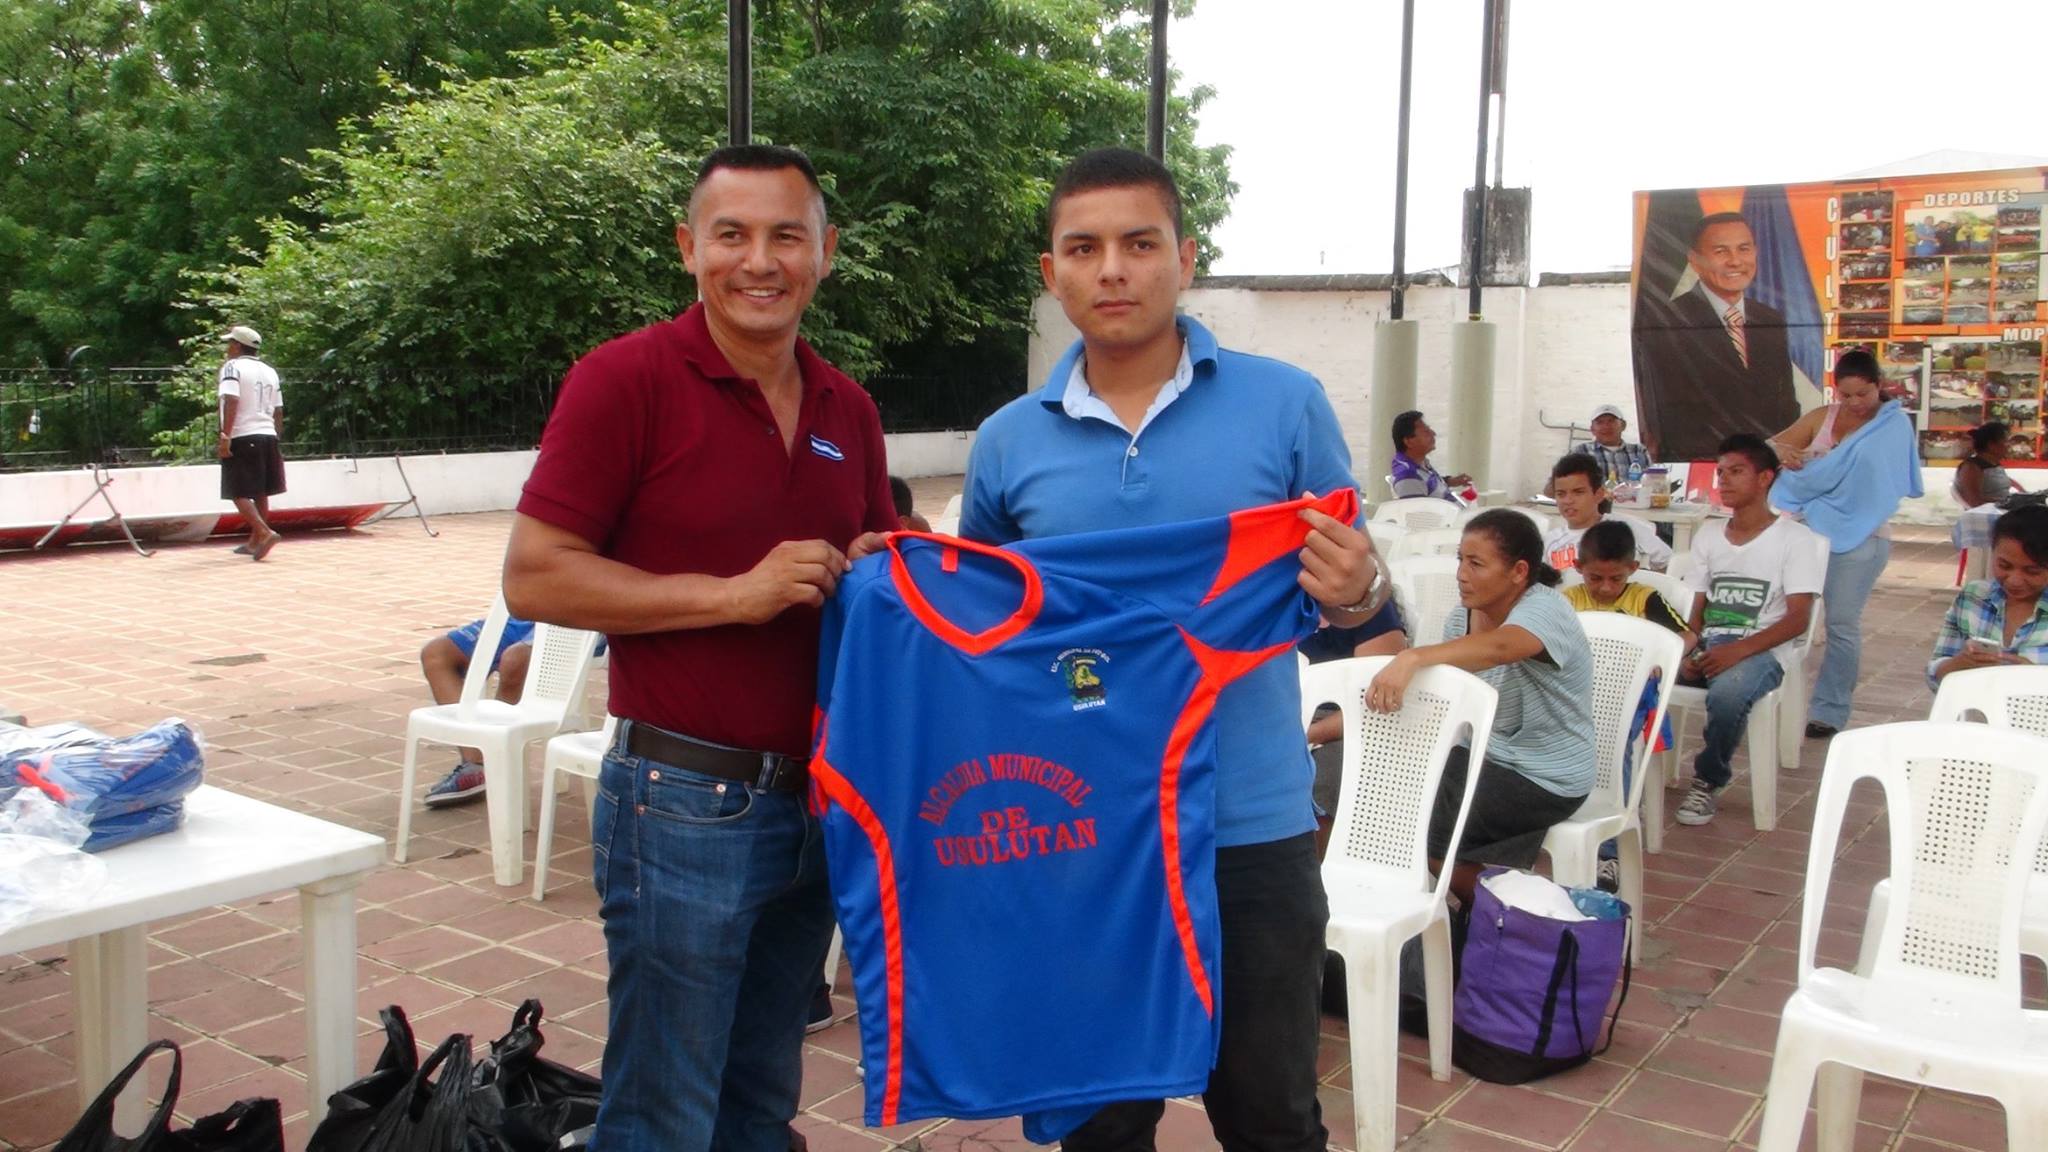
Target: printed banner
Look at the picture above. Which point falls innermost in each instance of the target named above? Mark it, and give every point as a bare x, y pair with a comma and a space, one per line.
1744, 297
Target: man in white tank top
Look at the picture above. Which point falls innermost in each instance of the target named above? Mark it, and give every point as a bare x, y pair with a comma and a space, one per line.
251, 415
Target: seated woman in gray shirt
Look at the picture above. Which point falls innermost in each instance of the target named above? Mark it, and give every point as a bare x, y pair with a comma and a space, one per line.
1519, 634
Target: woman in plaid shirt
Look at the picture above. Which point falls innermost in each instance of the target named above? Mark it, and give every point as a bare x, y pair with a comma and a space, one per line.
2000, 620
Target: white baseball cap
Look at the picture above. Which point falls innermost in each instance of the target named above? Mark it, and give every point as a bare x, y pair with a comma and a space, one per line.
244, 335
1609, 410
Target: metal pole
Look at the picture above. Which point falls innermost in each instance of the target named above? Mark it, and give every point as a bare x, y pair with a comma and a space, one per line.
1475, 226
1500, 89
739, 72
1401, 160
1155, 103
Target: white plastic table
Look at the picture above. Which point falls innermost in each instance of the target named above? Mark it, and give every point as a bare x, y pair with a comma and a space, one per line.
1683, 518
231, 848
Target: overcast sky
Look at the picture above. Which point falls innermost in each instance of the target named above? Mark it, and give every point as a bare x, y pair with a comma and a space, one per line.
1604, 97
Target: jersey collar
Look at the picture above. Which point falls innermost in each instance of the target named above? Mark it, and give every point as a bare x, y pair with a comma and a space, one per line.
973, 643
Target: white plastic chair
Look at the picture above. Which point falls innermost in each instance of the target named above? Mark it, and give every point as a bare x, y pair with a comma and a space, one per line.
578, 754
1427, 588
1377, 870
2010, 697
948, 523
1386, 536
501, 731
1544, 524
1794, 694
1764, 735
1625, 651
1681, 597
1942, 1003
1414, 512
1418, 542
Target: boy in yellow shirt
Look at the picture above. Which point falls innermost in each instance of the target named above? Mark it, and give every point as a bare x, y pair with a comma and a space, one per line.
1607, 559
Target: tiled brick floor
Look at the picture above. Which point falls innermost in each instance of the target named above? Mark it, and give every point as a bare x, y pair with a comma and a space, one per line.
300, 672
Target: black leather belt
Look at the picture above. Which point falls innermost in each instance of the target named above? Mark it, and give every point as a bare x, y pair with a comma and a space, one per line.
766, 771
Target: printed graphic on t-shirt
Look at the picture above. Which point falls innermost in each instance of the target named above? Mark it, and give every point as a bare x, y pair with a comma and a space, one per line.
1565, 558
1734, 603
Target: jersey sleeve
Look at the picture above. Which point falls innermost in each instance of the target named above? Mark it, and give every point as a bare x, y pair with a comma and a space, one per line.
1253, 599
1657, 610
230, 380
835, 619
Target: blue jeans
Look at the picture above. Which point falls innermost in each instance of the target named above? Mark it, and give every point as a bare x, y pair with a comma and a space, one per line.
716, 920
1851, 575
1730, 696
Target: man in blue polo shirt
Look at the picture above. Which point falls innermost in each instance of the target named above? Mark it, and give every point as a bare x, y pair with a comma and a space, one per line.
1147, 421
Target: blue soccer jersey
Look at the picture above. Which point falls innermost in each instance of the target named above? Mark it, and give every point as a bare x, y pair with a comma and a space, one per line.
1015, 757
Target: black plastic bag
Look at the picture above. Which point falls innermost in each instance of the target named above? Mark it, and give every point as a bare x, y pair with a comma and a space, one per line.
253, 1125
353, 1111
431, 1114
526, 1103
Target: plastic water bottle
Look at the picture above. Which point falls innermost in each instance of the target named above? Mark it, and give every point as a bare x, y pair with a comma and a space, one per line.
1635, 485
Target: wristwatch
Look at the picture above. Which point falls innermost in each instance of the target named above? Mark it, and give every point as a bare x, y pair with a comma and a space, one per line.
1372, 591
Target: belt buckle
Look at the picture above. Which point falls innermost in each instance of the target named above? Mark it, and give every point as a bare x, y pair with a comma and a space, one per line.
777, 772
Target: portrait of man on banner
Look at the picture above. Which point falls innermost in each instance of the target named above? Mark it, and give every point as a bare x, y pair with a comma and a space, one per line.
1715, 353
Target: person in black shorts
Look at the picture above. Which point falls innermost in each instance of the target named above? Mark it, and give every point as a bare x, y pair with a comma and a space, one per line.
251, 414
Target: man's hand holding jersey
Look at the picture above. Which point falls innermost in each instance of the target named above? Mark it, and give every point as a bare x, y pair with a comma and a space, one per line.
1339, 568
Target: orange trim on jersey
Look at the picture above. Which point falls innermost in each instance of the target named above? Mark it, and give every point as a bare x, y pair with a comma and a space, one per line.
843, 793
1219, 669
973, 643
1259, 536
813, 794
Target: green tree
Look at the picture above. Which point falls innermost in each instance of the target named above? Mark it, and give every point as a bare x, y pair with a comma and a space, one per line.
150, 141
500, 225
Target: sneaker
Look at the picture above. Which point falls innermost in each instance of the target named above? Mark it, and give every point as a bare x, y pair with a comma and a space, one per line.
821, 1010
1699, 805
1815, 730
463, 783
1610, 876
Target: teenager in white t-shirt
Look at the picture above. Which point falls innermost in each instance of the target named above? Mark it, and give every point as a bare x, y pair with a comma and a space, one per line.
251, 462
1757, 574
1580, 490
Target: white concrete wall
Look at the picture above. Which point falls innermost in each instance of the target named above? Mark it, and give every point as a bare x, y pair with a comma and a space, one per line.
464, 482
916, 454
1560, 352
1330, 333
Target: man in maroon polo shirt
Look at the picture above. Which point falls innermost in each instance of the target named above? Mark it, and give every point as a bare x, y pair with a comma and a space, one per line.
697, 487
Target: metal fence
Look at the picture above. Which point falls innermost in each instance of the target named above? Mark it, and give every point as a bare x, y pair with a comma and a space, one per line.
939, 403
52, 418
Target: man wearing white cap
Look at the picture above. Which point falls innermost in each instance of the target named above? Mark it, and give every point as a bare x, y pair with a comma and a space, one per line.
251, 412
1616, 456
